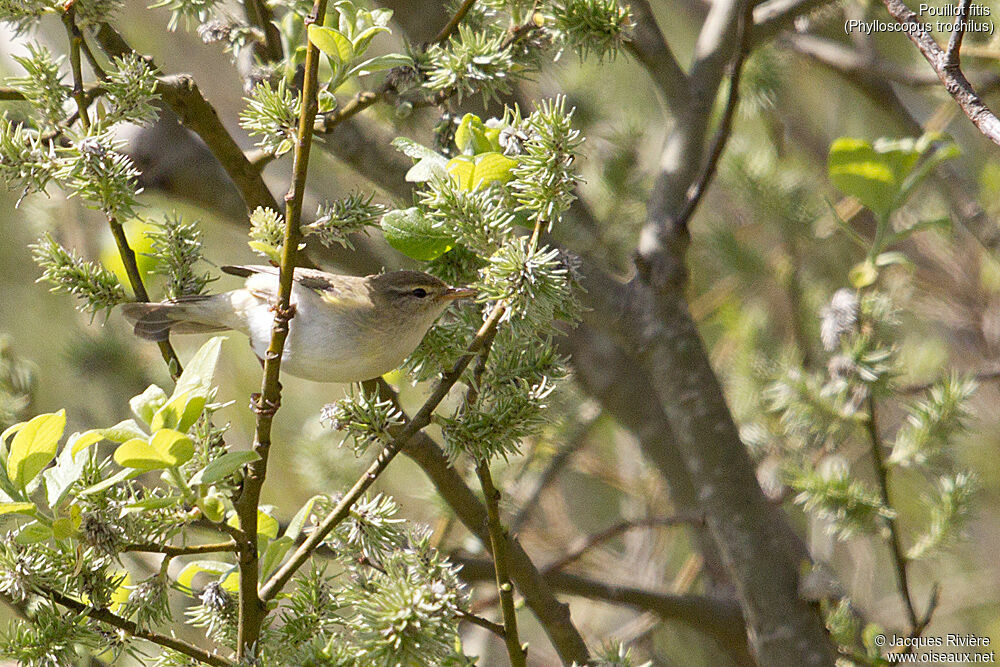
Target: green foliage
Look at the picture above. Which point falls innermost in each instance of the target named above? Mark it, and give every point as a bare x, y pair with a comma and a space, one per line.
131, 90
364, 418
27, 162
345, 45
188, 11
176, 249
272, 113
950, 508
847, 504
415, 235
267, 233
42, 84
933, 423
17, 384
95, 286
99, 174
337, 221
24, 14
471, 61
599, 27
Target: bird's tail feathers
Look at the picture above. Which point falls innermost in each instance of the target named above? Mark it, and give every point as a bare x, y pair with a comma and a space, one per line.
154, 321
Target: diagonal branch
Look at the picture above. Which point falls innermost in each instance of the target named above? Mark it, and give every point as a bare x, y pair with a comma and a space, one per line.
130, 628
947, 71
650, 48
401, 438
183, 96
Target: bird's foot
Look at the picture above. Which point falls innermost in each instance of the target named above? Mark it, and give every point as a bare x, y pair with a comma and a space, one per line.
262, 406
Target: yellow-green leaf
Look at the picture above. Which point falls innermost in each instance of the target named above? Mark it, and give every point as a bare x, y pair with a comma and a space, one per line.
179, 413
492, 168
85, 440
863, 274
415, 235
18, 508
166, 449
332, 42
34, 446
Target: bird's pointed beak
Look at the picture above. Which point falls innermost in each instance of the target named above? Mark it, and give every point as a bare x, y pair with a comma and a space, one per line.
453, 293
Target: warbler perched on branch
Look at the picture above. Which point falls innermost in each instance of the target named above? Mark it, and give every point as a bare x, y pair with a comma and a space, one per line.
345, 328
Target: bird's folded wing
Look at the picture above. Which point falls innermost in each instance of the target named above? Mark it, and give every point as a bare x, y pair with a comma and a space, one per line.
330, 287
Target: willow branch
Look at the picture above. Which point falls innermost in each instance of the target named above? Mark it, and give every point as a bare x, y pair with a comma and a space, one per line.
400, 439
75, 41
130, 628
182, 95
947, 70
899, 561
251, 608
139, 289
611, 532
553, 615
501, 565
172, 551
452, 25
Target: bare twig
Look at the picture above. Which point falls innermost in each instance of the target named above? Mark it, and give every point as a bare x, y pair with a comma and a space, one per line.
718, 618
952, 57
495, 628
553, 615
251, 608
259, 14
452, 25
899, 560
75, 41
172, 551
650, 48
139, 289
130, 628
498, 546
721, 138
611, 532
949, 73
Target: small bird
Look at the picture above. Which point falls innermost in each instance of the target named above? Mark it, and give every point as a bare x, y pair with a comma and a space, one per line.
345, 328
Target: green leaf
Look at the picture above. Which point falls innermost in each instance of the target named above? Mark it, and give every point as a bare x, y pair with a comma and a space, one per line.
166, 449
893, 257
33, 533
141, 506
267, 249
364, 38
120, 432
414, 235
332, 42
492, 168
34, 446
863, 274
380, 63
299, 520
427, 164
60, 478
470, 137
18, 508
348, 16
473, 172
267, 525
64, 527
145, 405
119, 476
872, 174
197, 375
179, 413
223, 467
274, 553
185, 578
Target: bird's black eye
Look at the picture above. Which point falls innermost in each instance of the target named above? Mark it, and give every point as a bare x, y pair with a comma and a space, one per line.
420, 292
